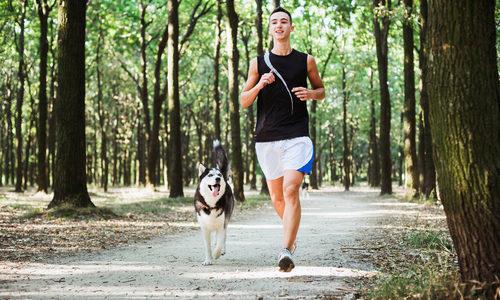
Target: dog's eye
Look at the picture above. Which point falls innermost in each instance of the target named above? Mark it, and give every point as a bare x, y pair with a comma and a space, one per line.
210, 175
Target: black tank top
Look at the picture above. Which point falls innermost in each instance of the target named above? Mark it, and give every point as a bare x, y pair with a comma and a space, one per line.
275, 118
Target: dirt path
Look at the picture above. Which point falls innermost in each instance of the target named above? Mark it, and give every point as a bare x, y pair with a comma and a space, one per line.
333, 224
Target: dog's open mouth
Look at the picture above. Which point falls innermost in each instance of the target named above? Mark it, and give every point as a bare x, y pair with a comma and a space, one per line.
215, 189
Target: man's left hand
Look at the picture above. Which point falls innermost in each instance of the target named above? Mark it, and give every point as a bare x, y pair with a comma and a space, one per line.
302, 93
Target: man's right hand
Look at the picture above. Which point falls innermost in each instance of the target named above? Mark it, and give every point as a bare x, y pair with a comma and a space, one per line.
265, 79
254, 84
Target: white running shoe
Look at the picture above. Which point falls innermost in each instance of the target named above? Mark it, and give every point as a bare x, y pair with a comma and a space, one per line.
285, 261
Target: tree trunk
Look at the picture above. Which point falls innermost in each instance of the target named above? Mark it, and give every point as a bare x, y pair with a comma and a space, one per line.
52, 120
381, 31
410, 146
401, 154
158, 99
144, 80
116, 180
428, 169
234, 105
20, 98
101, 113
43, 15
374, 174
464, 97
70, 178
331, 157
9, 164
216, 93
346, 153
2, 149
175, 152
141, 153
27, 151
313, 178
260, 51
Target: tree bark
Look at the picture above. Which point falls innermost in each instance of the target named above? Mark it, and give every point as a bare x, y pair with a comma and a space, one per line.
464, 106
29, 138
381, 31
216, 93
70, 186
20, 98
144, 84
175, 151
260, 51
251, 157
313, 178
9, 164
51, 120
158, 99
43, 15
401, 155
116, 180
428, 170
374, 166
346, 153
410, 146
234, 105
101, 113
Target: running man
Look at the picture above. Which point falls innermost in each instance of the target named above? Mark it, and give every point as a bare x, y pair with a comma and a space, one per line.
284, 149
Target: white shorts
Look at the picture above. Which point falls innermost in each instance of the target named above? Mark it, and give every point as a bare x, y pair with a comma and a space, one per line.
278, 156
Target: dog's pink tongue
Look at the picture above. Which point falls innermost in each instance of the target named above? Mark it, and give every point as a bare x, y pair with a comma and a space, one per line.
215, 191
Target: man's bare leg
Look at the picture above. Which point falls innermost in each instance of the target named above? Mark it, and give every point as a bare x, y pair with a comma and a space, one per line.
292, 212
276, 192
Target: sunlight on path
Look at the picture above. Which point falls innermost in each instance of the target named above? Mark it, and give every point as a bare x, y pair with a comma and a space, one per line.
170, 266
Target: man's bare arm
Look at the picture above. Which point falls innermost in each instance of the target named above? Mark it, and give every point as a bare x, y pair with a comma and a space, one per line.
318, 90
254, 84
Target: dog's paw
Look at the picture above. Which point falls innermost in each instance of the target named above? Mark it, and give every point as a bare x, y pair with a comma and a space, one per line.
218, 252
207, 262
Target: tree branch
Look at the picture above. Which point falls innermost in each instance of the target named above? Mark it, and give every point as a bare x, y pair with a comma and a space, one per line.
193, 21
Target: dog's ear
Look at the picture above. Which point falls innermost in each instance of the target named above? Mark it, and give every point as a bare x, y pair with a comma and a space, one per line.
201, 169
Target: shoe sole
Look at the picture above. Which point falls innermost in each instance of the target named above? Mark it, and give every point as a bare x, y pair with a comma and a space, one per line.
286, 264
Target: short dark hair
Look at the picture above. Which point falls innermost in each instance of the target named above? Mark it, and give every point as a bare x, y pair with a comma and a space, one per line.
281, 9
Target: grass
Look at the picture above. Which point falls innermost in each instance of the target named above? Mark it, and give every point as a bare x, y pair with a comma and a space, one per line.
426, 281
67, 212
431, 274
116, 210
423, 276
154, 207
253, 201
420, 199
428, 239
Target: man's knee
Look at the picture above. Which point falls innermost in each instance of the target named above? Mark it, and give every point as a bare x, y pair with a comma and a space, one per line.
291, 192
276, 196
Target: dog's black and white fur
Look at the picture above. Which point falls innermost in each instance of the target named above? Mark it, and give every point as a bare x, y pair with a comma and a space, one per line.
214, 202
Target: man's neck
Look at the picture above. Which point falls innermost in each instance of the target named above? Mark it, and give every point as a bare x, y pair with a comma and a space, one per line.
281, 48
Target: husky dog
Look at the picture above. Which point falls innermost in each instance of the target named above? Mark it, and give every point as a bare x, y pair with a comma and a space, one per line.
214, 202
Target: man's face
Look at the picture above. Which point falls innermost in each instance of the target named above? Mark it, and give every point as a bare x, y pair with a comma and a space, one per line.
280, 26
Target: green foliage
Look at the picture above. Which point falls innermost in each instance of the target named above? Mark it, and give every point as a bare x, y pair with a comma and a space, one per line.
418, 282
154, 207
342, 28
66, 212
429, 274
428, 240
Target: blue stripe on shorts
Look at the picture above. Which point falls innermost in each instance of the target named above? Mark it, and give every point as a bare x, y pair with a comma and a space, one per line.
307, 168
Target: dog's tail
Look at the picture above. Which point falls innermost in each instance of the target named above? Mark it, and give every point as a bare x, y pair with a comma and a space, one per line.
220, 159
